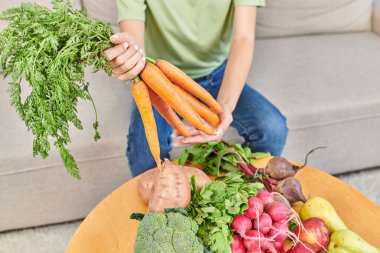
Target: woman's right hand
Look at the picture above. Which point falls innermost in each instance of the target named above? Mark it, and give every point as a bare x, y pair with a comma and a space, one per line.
126, 58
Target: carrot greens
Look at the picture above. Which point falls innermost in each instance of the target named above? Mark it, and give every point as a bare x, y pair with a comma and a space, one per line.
50, 49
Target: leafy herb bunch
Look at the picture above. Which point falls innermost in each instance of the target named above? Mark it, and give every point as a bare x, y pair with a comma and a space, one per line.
50, 49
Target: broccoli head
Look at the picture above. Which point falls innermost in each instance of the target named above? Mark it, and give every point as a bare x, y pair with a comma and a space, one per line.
167, 233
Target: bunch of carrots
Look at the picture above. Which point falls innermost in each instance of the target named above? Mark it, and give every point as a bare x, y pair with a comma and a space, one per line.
170, 90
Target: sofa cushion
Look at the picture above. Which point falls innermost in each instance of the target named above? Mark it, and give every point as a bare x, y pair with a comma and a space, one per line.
324, 81
281, 18
105, 10
376, 17
33, 190
299, 17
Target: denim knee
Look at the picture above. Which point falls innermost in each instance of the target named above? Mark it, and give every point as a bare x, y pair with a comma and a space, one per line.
269, 135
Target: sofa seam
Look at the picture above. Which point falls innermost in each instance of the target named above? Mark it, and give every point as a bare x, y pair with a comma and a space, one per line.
56, 165
335, 122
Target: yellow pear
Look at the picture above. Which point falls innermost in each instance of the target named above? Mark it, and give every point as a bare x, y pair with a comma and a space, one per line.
320, 208
351, 242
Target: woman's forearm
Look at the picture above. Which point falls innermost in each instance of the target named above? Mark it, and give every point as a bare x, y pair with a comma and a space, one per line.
240, 56
236, 74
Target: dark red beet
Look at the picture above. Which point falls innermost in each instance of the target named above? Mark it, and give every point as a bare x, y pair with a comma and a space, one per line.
291, 189
279, 168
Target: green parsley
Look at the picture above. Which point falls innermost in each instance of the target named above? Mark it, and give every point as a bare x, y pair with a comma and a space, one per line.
215, 206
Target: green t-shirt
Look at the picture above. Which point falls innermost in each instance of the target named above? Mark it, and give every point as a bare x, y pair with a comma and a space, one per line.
194, 35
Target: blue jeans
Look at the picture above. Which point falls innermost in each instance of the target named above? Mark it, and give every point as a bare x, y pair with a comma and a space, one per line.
257, 120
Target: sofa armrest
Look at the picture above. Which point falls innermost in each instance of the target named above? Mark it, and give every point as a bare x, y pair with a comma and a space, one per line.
376, 17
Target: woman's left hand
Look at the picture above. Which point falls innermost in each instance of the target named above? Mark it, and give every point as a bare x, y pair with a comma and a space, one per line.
197, 136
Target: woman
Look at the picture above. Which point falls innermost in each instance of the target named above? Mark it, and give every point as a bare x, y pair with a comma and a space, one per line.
197, 36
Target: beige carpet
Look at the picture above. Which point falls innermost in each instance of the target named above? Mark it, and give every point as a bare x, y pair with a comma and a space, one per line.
54, 238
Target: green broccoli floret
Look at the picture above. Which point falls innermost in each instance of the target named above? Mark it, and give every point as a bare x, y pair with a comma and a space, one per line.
167, 233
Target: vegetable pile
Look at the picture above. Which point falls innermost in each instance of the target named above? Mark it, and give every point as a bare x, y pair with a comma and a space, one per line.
215, 206
263, 227
50, 49
277, 176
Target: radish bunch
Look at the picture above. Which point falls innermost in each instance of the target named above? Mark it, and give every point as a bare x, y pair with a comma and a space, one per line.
264, 226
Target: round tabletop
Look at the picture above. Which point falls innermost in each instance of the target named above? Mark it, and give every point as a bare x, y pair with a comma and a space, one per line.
108, 227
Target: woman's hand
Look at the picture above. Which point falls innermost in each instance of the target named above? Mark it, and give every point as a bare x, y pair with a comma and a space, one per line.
197, 136
126, 57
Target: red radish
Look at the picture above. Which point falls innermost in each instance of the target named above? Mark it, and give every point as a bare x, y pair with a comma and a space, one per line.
279, 246
255, 208
263, 224
266, 197
279, 231
241, 224
278, 211
255, 251
237, 246
252, 244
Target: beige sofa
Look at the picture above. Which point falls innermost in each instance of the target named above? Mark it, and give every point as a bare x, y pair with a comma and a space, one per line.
318, 61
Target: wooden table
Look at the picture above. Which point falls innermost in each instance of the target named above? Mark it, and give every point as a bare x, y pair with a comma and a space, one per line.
108, 229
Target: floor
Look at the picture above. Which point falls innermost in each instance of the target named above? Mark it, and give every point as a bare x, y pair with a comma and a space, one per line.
54, 238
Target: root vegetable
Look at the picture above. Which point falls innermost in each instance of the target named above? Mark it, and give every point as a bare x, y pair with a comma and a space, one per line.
205, 112
254, 242
168, 113
255, 208
171, 188
141, 96
291, 189
145, 181
161, 85
178, 77
263, 224
266, 197
278, 211
279, 168
279, 246
279, 231
241, 224
237, 246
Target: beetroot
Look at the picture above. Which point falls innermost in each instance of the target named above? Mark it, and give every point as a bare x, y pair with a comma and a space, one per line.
278, 211
241, 224
313, 233
291, 188
237, 246
255, 208
266, 197
279, 168
263, 224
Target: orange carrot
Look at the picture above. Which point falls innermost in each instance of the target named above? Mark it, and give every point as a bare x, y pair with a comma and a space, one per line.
205, 112
141, 96
179, 78
160, 84
167, 112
